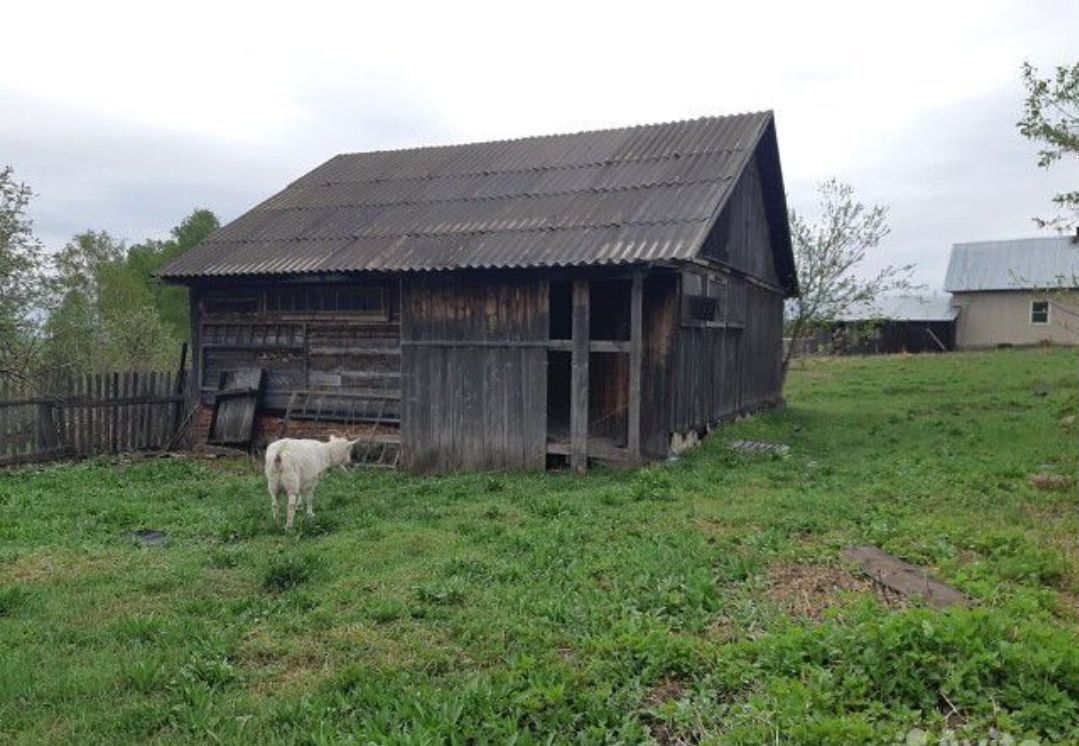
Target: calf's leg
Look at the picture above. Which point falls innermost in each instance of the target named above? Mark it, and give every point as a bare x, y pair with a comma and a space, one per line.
293, 498
273, 499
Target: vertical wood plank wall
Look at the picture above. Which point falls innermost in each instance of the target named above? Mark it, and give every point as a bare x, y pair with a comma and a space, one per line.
734, 364
722, 371
474, 373
87, 415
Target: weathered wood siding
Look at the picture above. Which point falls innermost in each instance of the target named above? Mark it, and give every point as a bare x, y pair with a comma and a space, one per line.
741, 237
732, 363
722, 371
474, 364
660, 319
88, 415
346, 350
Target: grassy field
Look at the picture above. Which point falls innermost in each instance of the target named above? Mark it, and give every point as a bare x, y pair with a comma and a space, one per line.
703, 600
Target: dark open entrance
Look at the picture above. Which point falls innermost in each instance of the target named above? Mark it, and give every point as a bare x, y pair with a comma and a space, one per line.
558, 383
592, 321
608, 398
560, 310
608, 312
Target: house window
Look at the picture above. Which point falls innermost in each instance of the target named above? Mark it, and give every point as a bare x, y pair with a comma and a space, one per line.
1039, 312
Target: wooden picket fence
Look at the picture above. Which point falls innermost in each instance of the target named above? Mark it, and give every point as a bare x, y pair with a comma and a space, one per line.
89, 415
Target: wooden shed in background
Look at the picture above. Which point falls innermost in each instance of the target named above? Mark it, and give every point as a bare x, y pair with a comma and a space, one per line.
508, 304
894, 324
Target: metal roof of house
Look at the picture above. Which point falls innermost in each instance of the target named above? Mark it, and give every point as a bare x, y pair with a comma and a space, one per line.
618, 196
903, 308
1020, 264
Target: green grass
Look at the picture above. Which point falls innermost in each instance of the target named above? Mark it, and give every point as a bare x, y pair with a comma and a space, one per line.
616, 607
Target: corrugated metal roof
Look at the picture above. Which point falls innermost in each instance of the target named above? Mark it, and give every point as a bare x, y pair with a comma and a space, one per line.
619, 196
903, 308
1019, 264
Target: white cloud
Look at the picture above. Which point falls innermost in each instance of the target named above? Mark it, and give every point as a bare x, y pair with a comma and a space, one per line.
125, 114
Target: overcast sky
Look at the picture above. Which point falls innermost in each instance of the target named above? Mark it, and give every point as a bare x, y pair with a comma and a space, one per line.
124, 117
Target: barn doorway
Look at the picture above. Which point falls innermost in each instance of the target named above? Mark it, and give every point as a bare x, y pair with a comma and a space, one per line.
601, 310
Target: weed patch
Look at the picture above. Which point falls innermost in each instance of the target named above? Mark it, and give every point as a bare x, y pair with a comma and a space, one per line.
285, 573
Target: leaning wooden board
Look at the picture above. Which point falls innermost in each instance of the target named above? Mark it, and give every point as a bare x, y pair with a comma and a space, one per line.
237, 399
905, 578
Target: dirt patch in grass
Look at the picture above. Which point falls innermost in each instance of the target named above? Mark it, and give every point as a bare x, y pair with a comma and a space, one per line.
1052, 482
665, 691
810, 590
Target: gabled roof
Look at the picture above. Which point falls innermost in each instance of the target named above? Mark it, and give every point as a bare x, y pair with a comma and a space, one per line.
1020, 264
902, 308
620, 196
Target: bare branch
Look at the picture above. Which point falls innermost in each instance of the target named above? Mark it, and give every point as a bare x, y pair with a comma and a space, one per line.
827, 254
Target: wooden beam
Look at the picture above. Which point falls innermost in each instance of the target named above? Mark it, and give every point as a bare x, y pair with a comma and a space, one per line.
636, 337
197, 354
578, 408
181, 385
596, 345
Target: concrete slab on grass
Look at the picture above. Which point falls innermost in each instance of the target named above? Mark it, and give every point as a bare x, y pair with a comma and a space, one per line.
910, 580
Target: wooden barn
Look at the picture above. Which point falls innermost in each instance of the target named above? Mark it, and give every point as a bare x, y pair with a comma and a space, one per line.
504, 305
894, 324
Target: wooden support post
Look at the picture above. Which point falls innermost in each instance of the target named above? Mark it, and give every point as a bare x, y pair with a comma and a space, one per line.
636, 339
578, 407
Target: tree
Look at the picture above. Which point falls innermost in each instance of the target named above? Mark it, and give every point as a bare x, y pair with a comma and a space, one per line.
149, 256
103, 314
827, 254
1051, 118
107, 309
21, 288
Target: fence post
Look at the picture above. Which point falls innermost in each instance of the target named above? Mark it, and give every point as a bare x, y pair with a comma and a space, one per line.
46, 433
178, 408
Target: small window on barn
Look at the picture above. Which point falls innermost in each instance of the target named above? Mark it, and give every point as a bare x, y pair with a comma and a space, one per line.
230, 302
349, 299
703, 296
1039, 312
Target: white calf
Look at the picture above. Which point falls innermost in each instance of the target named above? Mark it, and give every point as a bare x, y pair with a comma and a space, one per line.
293, 467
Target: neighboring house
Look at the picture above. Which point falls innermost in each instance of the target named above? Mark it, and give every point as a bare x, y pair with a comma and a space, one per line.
902, 323
1019, 292
508, 304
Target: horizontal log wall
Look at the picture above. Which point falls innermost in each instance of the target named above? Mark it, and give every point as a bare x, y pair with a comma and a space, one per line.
352, 351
